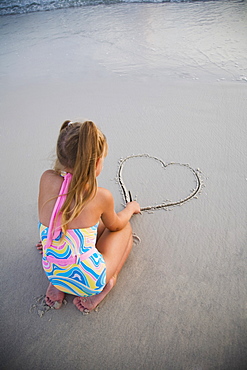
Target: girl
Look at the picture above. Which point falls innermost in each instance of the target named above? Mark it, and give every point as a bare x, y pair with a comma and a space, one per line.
85, 242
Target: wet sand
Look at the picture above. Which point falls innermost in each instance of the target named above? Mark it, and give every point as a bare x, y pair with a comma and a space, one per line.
180, 300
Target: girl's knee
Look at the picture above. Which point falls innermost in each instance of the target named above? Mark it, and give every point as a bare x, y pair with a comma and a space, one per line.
128, 228
128, 225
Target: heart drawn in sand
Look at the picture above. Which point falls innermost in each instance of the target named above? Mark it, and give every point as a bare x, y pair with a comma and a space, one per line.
167, 180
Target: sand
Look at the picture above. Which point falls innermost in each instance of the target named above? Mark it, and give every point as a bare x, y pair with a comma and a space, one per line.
180, 300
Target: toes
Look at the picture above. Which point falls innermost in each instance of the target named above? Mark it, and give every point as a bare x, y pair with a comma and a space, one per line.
48, 301
53, 304
78, 302
39, 247
80, 306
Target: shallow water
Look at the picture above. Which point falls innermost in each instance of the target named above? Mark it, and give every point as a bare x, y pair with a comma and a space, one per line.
205, 41
27, 6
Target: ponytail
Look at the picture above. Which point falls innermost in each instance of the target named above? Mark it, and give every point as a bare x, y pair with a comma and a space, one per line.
79, 147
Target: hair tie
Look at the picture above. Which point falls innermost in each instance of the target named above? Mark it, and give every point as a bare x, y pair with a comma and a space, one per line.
70, 123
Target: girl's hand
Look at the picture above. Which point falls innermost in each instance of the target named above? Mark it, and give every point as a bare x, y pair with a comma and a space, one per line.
134, 207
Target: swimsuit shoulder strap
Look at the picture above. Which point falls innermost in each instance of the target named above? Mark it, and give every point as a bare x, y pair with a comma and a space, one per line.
53, 231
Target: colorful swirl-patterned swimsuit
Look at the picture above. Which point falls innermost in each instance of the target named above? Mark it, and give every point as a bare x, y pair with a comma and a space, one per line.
71, 262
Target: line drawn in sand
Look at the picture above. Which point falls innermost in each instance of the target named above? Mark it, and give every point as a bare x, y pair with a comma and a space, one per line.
127, 194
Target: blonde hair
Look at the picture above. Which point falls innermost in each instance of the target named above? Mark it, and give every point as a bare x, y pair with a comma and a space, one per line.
79, 146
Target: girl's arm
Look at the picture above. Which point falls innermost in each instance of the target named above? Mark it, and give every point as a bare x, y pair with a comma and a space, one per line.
117, 221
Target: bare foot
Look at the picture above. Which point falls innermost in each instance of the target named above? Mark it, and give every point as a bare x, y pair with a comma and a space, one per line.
87, 304
54, 297
39, 247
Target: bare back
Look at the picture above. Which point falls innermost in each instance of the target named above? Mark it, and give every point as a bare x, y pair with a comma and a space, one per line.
50, 185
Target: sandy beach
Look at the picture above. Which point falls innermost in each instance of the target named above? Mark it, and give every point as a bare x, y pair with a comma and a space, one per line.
180, 300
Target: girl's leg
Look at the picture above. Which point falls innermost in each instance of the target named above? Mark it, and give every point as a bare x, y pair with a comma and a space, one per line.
115, 248
101, 229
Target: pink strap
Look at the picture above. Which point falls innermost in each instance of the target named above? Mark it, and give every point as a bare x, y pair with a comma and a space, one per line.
53, 231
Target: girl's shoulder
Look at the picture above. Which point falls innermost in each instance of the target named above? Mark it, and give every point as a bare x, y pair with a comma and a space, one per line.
104, 195
103, 192
51, 179
51, 175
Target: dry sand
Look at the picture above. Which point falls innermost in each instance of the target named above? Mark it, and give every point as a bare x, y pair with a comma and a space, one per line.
180, 301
